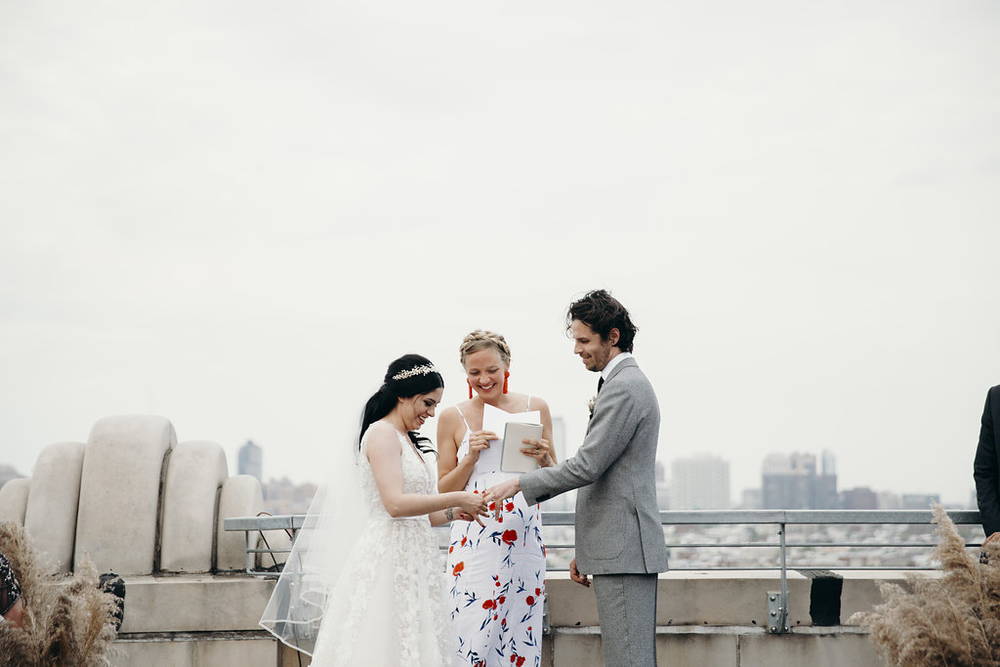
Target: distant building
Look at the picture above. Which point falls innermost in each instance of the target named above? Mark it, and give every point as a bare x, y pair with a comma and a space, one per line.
791, 481
700, 483
564, 502
888, 500
282, 496
827, 497
920, 501
751, 499
662, 489
250, 460
859, 498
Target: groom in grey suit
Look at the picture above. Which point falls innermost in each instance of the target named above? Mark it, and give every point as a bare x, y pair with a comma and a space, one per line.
619, 538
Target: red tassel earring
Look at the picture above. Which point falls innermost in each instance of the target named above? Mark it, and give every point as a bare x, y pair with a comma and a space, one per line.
506, 374
470, 388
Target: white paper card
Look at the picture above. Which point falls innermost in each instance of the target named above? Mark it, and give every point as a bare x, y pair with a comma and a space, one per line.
495, 420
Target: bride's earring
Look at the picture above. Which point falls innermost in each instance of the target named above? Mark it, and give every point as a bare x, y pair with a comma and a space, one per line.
506, 374
470, 388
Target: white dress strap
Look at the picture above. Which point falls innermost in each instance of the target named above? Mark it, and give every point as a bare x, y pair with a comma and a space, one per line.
468, 429
527, 406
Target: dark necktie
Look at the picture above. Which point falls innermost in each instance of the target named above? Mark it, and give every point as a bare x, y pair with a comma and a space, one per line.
600, 383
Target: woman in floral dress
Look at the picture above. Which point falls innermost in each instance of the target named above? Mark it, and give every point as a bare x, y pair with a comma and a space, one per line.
497, 571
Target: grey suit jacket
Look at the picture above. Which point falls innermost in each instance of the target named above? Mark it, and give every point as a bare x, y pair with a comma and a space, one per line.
618, 528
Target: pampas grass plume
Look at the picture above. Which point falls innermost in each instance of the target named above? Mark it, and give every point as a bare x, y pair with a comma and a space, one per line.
65, 622
951, 621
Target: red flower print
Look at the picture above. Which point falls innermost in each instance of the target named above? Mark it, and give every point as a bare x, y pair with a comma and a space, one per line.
538, 591
513, 657
509, 507
531, 601
489, 604
529, 628
494, 617
502, 599
464, 540
451, 548
500, 519
493, 506
509, 536
459, 566
520, 660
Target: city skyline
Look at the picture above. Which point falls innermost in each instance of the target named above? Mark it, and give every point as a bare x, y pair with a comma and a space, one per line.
888, 498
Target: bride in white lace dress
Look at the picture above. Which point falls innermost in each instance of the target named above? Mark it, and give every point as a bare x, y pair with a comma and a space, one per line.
363, 584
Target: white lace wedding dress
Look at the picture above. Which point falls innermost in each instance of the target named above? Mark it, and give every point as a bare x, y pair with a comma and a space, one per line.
386, 605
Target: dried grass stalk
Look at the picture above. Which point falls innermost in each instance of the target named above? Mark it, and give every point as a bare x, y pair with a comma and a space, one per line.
65, 622
951, 621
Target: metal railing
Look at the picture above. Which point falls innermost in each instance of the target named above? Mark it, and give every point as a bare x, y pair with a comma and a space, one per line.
777, 601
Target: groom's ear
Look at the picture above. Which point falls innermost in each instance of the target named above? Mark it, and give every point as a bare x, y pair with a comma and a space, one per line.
613, 336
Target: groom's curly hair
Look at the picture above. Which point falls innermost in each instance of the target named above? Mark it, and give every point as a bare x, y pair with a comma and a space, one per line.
602, 312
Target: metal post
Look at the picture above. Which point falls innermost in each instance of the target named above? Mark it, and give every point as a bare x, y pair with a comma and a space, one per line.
777, 601
250, 553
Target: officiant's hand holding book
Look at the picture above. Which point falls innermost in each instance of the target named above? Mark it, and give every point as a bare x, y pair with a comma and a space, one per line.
539, 449
517, 455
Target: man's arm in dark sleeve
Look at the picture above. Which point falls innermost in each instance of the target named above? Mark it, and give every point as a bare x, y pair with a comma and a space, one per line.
986, 471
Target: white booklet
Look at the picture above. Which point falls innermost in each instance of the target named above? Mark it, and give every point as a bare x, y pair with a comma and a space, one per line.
495, 420
513, 460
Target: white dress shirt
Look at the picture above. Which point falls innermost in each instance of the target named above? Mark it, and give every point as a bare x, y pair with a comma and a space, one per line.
620, 357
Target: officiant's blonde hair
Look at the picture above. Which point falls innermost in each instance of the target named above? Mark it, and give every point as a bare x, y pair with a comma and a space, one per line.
480, 339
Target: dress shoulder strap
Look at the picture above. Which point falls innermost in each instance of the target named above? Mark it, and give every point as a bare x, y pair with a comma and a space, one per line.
527, 406
460, 414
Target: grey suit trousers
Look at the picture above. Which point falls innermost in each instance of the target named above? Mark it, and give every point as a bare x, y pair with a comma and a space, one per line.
626, 605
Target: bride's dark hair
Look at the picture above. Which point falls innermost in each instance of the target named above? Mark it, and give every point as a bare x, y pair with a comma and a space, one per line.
407, 376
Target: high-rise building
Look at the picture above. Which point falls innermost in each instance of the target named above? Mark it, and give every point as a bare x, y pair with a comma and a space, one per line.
826, 497
699, 483
791, 481
250, 460
859, 498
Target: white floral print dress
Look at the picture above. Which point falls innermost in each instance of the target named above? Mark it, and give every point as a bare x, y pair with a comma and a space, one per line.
497, 578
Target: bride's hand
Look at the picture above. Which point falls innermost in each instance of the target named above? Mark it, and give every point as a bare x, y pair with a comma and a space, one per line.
540, 450
479, 441
472, 504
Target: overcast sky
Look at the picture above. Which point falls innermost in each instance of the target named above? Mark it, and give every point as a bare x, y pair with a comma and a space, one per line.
235, 214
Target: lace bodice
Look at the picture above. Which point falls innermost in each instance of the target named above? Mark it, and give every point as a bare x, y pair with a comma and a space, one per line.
418, 476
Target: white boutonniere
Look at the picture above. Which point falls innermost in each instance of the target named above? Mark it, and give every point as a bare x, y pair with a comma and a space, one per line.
590, 405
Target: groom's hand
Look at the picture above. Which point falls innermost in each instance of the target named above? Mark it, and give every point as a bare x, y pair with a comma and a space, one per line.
501, 492
575, 575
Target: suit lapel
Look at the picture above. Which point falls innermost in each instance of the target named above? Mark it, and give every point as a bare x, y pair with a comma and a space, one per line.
611, 376
624, 363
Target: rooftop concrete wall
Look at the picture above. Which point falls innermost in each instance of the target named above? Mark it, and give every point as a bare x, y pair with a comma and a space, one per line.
14, 500
50, 518
195, 474
190, 619
133, 500
118, 518
241, 496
